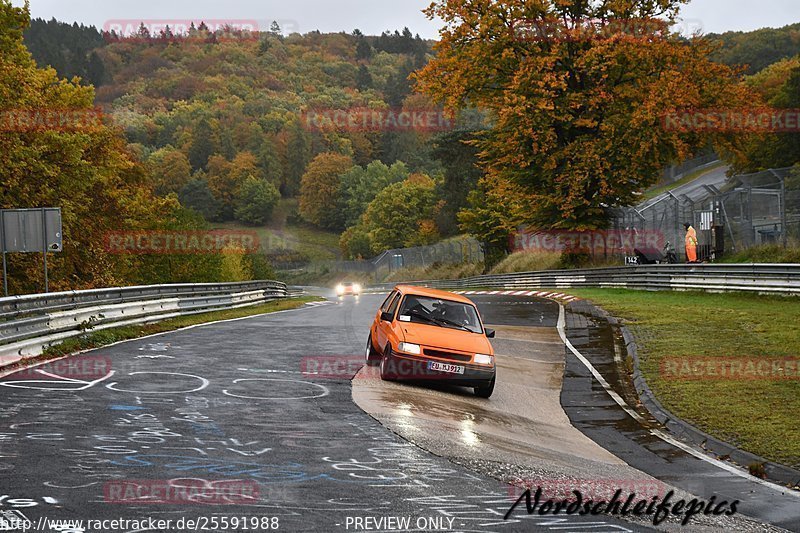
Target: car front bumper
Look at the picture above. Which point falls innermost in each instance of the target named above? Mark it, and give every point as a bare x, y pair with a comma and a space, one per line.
415, 368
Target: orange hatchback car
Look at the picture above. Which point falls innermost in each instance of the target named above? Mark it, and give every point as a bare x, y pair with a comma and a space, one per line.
425, 334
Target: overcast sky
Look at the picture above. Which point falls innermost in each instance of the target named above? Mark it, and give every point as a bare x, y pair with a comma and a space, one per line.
372, 16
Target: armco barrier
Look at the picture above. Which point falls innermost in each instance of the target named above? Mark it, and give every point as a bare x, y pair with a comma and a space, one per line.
755, 278
28, 324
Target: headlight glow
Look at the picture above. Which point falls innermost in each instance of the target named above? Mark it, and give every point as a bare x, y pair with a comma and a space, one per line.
340, 289
406, 347
356, 288
482, 359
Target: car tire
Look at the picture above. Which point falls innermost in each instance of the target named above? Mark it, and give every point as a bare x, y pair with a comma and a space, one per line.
387, 365
485, 391
372, 355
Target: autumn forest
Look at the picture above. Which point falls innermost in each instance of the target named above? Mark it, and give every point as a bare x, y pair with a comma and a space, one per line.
480, 132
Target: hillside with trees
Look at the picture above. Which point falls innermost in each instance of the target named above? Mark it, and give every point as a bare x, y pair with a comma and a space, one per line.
85, 166
221, 122
756, 50
217, 128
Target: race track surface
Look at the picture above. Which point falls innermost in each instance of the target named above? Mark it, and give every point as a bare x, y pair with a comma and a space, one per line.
251, 404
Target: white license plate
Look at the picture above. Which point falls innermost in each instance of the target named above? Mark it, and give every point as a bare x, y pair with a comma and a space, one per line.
444, 367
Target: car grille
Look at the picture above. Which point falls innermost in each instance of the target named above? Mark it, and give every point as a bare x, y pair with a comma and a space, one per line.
448, 355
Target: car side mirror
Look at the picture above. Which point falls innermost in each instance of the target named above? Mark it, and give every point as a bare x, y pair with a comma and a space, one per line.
490, 333
386, 317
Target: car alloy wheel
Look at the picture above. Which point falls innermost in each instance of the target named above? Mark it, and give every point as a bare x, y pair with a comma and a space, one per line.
387, 365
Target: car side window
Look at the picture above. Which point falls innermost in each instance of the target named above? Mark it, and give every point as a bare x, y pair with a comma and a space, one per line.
388, 301
394, 304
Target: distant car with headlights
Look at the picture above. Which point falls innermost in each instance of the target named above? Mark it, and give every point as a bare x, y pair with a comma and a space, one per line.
424, 334
348, 289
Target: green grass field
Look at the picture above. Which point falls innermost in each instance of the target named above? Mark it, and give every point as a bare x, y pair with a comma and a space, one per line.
758, 415
280, 234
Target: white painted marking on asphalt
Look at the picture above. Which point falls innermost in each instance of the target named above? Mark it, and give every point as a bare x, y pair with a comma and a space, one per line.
325, 390
319, 304
655, 432
203, 384
33, 384
65, 378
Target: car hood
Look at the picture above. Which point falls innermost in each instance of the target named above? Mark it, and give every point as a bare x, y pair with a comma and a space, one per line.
446, 338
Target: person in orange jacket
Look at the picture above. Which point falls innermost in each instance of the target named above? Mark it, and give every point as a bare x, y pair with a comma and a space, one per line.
691, 243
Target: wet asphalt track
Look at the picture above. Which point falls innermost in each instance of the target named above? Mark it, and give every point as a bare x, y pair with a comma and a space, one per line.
230, 402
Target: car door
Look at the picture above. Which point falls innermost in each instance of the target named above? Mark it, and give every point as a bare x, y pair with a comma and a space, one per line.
382, 328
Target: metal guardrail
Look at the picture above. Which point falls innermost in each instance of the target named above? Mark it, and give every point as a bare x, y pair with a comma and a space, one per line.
30, 323
753, 278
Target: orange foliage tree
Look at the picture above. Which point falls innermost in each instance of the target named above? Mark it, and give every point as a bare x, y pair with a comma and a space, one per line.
578, 92
319, 188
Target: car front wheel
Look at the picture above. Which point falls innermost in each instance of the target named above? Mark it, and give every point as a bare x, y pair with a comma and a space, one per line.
485, 391
373, 357
387, 365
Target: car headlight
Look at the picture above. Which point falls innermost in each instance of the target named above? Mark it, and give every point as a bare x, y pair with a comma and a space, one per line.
406, 347
482, 359
356, 288
340, 289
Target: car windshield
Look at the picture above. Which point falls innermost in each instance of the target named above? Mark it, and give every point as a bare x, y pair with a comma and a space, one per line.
441, 313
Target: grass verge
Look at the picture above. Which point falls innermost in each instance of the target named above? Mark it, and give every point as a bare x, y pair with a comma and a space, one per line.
97, 339
537, 261
757, 415
767, 253
437, 271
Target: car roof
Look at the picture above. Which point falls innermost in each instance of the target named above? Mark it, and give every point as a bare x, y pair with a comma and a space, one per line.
433, 293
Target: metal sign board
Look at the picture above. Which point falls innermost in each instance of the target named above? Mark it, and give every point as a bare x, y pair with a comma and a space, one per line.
706, 220
32, 230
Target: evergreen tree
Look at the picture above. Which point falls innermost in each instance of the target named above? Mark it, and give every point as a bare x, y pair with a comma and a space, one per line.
197, 196
363, 79
95, 70
202, 146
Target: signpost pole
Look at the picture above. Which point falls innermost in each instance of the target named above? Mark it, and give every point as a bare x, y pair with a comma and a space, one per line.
3, 244
44, 250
